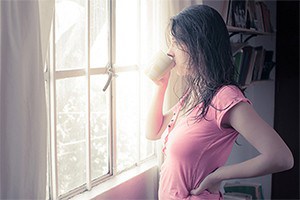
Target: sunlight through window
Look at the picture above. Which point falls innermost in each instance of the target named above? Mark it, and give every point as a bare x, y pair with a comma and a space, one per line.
97, 134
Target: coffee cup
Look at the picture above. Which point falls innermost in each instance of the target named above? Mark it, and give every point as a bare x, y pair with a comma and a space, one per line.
160, 64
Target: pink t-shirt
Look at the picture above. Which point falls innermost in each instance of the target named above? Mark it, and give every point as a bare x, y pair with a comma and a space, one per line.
194, 150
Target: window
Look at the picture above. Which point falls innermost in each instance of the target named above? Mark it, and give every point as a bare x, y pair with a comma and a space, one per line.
96, 134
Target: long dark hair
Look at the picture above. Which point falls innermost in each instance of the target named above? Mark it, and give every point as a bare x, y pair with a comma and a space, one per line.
203, 33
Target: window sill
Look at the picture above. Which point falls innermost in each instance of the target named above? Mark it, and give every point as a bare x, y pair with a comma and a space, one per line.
117, 180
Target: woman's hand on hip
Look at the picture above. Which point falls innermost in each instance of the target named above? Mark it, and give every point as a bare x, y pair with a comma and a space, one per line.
211, 183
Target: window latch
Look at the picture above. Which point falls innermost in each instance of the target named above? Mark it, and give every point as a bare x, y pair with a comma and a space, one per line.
110, 73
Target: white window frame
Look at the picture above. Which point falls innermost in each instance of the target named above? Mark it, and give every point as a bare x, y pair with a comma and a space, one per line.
51, 75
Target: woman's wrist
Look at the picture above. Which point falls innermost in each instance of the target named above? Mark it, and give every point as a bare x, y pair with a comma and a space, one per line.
161, 87
218, 175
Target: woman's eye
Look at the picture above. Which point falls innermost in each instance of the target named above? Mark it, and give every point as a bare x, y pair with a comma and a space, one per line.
175, 43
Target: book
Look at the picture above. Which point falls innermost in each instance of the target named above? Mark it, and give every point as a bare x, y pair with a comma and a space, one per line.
266, 17
259, 63
236, 196
268, 64
229, 13
251, 67
251, 15
259, 17
238, 13
225, 10
253, 189
246, 59
238, 63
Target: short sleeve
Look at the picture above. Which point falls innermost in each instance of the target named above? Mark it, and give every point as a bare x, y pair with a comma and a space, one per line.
224, 100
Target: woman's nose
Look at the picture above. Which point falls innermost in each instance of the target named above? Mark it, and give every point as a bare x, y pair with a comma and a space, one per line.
170, 52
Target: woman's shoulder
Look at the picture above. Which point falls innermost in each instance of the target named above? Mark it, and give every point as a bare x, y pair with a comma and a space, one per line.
228, 91
229, 88
228, 94
225, 98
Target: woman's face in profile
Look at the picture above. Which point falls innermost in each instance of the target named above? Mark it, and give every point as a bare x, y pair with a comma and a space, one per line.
180, 56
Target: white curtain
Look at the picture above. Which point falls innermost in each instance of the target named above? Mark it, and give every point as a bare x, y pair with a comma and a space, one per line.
25, 27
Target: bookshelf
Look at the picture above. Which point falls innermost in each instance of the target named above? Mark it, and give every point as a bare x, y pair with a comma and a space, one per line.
248, 16
246, 19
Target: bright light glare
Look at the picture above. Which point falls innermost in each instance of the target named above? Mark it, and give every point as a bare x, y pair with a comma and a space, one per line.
126, 32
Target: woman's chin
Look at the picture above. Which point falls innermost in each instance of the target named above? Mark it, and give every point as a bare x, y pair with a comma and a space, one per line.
181, 73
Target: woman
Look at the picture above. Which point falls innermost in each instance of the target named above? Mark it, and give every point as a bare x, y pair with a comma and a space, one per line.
199, 131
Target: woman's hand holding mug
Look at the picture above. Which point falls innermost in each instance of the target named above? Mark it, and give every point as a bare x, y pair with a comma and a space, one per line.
159, 69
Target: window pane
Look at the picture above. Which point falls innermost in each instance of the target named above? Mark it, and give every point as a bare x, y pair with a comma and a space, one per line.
146, 146
71, 126
127, 119
148, 33
70, 33
99, 32
126, 32
99, 127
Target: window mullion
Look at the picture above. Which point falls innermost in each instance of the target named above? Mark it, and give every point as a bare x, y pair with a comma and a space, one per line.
53, 132
139, 85
112, 52
88, 111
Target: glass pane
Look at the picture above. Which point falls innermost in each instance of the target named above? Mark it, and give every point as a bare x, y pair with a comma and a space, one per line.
126, 32
71, 126
99, 32
99, 127
146, 146
149, 33
127, 119
70, 33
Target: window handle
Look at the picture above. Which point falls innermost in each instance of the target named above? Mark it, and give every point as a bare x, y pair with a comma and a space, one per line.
111, 73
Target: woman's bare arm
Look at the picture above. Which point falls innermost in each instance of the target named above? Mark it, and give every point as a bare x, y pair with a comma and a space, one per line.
274, 155
157, 121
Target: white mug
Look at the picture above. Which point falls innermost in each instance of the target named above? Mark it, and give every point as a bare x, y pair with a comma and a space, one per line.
160, 64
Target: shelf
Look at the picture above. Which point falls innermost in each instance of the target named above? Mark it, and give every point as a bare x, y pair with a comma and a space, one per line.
246, 31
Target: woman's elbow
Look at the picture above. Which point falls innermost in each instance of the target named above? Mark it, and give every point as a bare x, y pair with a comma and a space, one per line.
285, 161
151, 136
289, 162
